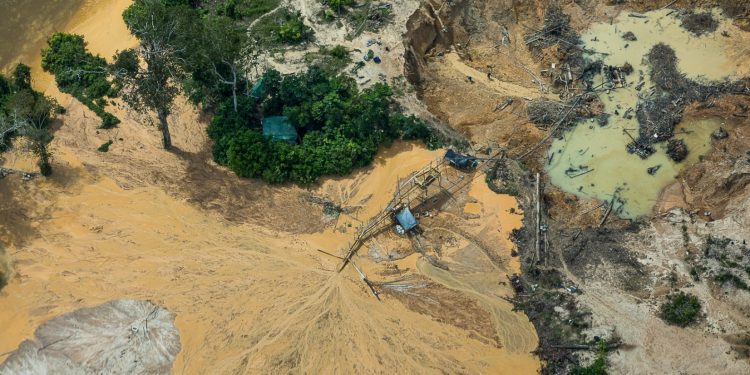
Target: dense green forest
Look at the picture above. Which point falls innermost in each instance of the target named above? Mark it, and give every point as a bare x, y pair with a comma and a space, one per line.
203, 50
26, 114
339, 127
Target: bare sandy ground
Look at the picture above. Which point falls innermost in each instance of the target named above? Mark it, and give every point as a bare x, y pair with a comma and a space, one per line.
234, 260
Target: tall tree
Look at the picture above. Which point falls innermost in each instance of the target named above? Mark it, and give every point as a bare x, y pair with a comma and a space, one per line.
165, 33
224, 43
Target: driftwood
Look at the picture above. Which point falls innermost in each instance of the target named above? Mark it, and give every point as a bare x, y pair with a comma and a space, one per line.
504, 105
25, 175
580, 174
609, 211
364, 280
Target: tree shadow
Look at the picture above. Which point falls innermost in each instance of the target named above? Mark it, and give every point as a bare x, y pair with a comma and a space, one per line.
24, 202
216, 188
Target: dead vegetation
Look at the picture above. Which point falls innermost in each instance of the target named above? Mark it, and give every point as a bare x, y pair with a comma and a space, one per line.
662, 109
699, 23
555, 30
724, 262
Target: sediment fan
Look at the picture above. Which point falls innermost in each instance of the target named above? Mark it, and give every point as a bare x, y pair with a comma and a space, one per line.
121, 337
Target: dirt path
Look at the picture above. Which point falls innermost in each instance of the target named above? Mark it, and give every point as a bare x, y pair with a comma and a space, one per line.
500, 87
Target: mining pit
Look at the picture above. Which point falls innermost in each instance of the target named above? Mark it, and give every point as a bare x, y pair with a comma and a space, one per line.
577, 222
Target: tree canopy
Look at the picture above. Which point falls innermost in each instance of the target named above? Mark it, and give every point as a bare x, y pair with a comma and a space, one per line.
340, 127
80, 73
26, 113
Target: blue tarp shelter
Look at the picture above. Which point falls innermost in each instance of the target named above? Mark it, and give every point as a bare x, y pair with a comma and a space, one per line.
461, 161
280, 129
406, 219
259, 88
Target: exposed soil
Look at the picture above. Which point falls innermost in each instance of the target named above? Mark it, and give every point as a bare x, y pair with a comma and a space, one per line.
236, 261
448, 306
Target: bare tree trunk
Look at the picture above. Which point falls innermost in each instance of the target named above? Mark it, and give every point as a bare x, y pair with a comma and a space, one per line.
234, 88
166, 137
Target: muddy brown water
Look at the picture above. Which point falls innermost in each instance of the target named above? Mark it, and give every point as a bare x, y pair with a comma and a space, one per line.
26, 26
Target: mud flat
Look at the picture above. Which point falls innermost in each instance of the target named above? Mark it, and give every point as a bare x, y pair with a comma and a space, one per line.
26, 26
591, 160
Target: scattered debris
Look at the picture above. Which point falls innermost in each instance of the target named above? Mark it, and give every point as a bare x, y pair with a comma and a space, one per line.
652, 170
720, 133
629, 36
503, 105
677, 149
659, 111
26, 176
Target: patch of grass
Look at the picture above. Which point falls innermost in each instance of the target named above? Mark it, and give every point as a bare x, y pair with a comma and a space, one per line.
681, 309
332, 60
105, 146
599, 366
246, 10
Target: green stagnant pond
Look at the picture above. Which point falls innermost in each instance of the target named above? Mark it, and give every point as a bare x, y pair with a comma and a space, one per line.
601, 150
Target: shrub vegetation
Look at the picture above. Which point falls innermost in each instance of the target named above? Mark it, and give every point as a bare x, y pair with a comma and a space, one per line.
80, 73
681, 309
283, 27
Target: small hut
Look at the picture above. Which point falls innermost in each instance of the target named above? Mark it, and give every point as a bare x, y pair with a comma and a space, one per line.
406, 219
280, 129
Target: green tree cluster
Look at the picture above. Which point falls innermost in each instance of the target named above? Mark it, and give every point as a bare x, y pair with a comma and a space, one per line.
79, 73
340, 127
26, 113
